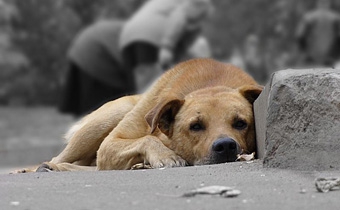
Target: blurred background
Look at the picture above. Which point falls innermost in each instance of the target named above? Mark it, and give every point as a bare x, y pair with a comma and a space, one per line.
260, 36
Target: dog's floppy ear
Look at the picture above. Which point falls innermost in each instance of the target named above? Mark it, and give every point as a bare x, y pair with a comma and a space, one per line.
163, 115
251, 92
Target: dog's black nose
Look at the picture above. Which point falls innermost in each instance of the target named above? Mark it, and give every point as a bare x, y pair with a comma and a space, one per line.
225, 150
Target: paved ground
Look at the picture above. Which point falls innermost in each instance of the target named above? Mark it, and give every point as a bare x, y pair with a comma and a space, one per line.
162, 189
29, 136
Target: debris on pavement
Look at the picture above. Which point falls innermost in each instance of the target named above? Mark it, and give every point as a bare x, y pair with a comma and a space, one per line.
213, 190
245, 157
15, 203
302, 191
327, 184
231, 193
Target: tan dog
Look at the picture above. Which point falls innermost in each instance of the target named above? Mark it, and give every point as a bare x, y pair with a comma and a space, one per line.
199, 112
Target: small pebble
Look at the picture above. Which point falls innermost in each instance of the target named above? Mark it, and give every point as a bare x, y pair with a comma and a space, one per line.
15, 203
303, 191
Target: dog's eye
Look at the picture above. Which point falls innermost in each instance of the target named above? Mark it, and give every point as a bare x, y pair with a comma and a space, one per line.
197, 126
240, 124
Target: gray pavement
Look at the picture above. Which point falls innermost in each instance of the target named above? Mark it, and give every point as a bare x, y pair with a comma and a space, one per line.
260, 188
30, 135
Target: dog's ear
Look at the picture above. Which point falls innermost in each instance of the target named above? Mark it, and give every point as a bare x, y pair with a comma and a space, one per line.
163, 115
251, 92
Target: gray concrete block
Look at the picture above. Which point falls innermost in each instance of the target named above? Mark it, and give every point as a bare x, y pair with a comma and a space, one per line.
298, 120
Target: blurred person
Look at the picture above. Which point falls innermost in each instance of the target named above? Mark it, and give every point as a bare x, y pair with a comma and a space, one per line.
95, 74
278, 57
236, 58
254, 59
159, 34
200, 48
318, 35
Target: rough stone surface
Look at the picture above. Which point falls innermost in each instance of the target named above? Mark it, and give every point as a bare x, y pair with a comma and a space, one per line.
298, 120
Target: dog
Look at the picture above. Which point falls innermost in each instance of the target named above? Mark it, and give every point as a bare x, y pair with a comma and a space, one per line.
199, 112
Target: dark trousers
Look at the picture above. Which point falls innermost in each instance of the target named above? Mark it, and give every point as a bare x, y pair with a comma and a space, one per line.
82, 93
139, 53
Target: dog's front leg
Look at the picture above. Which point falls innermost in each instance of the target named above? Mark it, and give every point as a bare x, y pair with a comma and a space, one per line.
120, 154
158, 155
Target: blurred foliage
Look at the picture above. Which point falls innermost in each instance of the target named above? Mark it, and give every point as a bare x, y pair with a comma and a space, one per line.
35, 35
234, 20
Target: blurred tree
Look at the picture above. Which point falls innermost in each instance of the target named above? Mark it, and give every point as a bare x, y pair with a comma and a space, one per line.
273, 21
42, 31
85, 9
11, 60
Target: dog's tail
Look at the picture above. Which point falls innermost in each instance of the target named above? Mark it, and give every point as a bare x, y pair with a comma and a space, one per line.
74, 128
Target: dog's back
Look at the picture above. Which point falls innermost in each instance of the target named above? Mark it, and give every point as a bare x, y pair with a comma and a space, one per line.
176, 83
196, 74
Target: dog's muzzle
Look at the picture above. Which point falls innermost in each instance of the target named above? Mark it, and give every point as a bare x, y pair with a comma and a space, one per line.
225, 150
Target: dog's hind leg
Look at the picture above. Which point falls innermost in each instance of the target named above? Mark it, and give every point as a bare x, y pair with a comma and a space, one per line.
86, 136
47, 167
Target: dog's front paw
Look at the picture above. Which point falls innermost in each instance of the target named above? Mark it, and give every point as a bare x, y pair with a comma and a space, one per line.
21, 171
24, 170
166, 161
47, 167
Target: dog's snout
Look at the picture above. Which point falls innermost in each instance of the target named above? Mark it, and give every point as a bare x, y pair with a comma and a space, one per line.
224, 145
224, 150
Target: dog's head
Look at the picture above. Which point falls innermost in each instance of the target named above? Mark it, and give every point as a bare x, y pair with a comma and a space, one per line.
210, 125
